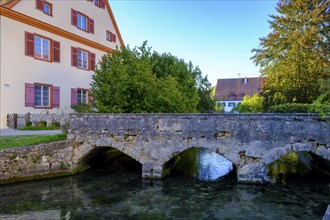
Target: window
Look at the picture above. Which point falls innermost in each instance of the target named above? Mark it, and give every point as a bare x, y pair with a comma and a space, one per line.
42, 95
223, 104
110, 36
41, 48
82, 59
82, 96
98, 3
82, 22
45, 7
79, 95
231, 104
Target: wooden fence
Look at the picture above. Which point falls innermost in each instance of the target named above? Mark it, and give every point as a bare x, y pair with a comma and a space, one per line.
19, 120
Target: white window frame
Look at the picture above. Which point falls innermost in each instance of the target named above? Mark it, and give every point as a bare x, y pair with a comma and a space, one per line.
43, 97
82, 21
42, 46
231, 104
82, 57
82, 96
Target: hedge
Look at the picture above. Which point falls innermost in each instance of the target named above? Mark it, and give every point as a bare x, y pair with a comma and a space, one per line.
300, 108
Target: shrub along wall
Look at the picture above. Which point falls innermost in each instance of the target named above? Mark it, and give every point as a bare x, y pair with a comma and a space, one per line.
299, 108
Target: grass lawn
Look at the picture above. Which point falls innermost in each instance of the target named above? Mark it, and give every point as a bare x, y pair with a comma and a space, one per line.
7, 142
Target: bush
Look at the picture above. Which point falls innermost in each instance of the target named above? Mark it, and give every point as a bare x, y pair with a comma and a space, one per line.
55, 124
300, 108
83, 108
42, 124
28, 124
289, 108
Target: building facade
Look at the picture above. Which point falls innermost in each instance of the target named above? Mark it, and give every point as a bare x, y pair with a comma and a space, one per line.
49, 50
230, 92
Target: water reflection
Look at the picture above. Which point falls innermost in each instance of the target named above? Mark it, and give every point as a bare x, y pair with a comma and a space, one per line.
199, 163
101, 195
296, 166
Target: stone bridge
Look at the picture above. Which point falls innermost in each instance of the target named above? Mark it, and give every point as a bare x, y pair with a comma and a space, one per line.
249, 141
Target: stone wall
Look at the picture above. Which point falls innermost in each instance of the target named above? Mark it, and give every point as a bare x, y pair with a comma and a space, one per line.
249, 141
39, 161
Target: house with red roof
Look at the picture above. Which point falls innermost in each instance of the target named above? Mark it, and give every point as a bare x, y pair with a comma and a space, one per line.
49, 50
230, 92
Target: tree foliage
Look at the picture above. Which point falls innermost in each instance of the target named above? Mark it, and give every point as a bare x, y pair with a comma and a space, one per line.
251, 104
295, 56
138, 81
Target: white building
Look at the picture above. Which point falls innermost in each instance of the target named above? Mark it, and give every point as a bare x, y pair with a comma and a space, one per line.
230, 92
49, 49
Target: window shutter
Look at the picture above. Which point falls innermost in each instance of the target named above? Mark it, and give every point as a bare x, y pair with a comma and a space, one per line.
113, 38
56, 51
56, 97
74, 96
40, 5
102, 4
74, 56
91, 25
74, 17
90, 97
29, 44
29, 95
92, 61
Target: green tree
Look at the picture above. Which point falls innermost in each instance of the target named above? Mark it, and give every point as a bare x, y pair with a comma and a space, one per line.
251, 104
138, 81
295, 56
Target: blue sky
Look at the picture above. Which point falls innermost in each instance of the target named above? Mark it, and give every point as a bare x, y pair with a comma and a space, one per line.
215, 35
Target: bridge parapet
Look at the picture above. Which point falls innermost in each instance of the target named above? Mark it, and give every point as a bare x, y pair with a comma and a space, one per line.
249, 141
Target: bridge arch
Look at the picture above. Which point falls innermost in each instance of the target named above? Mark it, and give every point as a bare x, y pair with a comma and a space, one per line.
189, 159
105, 156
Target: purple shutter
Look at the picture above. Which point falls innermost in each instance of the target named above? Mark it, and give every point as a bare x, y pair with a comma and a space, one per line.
56, 97
74, 96
102, 4
74, 56
29, 95
29, 44
56, 51
40, 5
90, 25
92, 61
74, 17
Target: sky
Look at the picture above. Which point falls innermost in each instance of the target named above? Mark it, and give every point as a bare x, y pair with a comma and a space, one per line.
217, 35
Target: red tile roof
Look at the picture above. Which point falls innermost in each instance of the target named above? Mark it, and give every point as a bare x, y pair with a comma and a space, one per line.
236, 89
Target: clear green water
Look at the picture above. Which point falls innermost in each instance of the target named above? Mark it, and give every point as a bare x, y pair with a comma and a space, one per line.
102, 195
